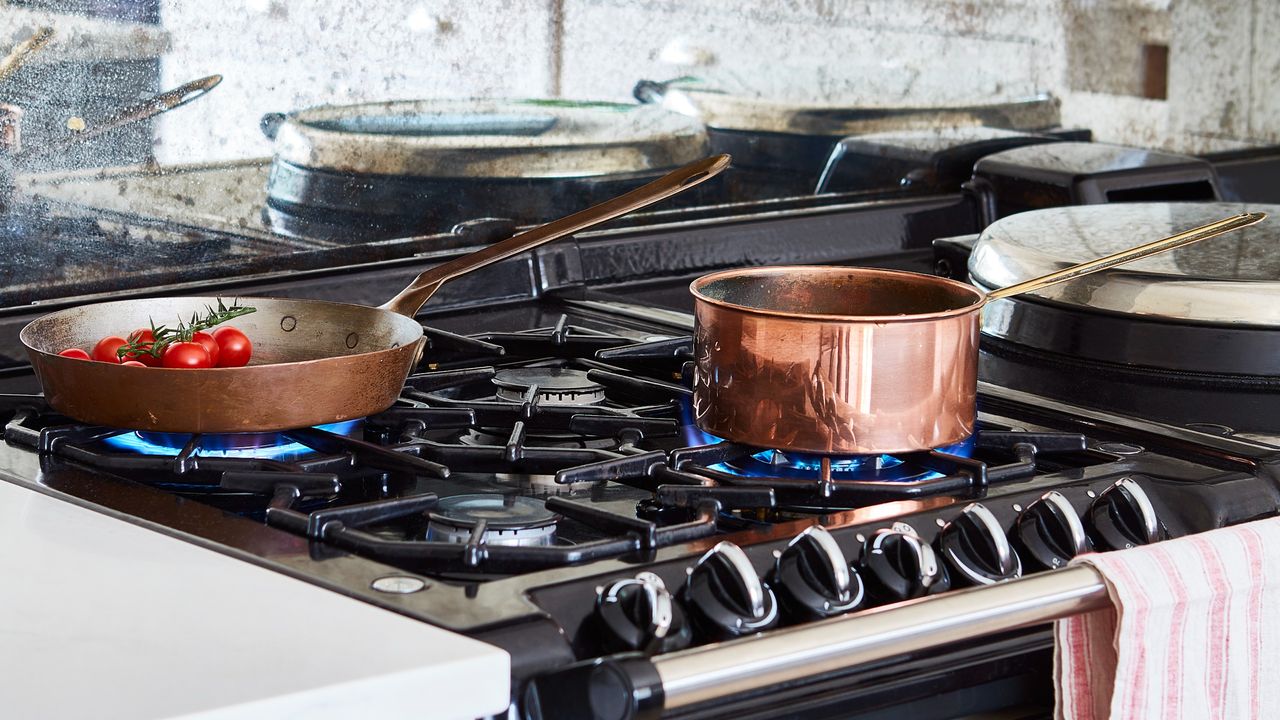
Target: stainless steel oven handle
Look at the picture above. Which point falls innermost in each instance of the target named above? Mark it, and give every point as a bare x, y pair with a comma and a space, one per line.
722, 670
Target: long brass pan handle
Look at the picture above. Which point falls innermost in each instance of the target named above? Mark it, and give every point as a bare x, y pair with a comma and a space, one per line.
1182, 239
413, 297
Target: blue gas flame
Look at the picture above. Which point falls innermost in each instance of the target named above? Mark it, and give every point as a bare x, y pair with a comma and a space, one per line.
797, 464
135, 443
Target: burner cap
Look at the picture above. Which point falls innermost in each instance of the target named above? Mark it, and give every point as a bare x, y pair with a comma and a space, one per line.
509, 520
556, 386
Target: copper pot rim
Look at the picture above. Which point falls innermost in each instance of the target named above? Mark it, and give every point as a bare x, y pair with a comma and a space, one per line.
695, 287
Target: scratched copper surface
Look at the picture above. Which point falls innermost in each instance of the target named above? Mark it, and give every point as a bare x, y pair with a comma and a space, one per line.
846, 386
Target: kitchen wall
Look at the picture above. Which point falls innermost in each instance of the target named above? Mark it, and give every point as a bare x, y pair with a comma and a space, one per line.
1103, 57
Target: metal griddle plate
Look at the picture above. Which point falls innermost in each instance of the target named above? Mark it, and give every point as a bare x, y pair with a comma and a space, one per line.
1226, 280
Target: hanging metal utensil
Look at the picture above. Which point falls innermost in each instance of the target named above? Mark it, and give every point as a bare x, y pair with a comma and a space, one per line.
23, 50
149, 108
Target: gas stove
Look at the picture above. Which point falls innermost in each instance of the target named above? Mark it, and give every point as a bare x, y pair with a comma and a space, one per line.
543, 490
539, 485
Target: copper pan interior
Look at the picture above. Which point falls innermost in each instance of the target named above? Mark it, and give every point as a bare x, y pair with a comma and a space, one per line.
281, 330
313, 363
838, 293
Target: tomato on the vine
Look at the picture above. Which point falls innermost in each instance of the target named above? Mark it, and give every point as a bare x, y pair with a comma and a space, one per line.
105, 350
210, 345
186, 355
132, 363
75, 354
234, 348
142, 335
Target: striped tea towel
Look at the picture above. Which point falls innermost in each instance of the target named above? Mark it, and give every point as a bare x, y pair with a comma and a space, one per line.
1194, 632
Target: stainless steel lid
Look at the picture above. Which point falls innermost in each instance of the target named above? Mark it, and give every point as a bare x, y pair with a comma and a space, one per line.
728, 111
487, 138
1233, 279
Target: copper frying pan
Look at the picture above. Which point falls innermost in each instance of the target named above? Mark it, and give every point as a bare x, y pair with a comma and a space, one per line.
314, 362
854, 361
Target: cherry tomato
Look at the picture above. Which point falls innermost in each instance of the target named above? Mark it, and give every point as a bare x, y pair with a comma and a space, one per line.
132, 363
234, 348
105, 350
186, 355
75, 353
143, 335
210, 345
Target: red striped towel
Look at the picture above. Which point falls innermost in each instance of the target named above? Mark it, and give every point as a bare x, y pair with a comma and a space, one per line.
1195, 632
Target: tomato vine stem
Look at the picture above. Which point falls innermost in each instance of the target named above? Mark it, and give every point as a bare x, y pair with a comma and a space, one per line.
165, 336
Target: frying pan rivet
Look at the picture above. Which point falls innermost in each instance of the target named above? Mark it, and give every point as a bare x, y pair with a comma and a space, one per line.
353, 340
288, 323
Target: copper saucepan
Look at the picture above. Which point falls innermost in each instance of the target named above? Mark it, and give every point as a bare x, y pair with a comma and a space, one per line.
854, 361
314, 362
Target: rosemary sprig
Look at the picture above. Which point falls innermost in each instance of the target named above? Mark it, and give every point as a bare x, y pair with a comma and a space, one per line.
165, 336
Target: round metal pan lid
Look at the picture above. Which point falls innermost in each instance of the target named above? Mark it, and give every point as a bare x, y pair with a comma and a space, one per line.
1233, 279
728, 111
489, 138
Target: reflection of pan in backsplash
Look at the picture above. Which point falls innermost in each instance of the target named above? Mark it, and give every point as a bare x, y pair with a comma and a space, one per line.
795, 139
75, 257
425, 165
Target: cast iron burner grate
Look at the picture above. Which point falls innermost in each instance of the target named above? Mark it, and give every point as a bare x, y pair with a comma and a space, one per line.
689, 475
356, 481
531, 411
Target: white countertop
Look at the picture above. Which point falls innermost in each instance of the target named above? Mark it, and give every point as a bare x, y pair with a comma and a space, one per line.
104, 619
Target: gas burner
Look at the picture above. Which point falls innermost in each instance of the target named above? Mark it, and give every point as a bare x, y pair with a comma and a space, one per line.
554, 386
734, 474
544, 485
228, 441
789, 464
265, 445
497, 437
507, 519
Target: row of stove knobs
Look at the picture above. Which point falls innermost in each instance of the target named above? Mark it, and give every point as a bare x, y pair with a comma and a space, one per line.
724, 597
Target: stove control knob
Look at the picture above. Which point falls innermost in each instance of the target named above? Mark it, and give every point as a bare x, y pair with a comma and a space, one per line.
1049, 531
1122, 517
639, 614
975, 546
898, 565
724, 595
813, 579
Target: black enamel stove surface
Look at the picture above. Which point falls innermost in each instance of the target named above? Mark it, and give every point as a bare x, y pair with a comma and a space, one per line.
604, 448
524, 473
